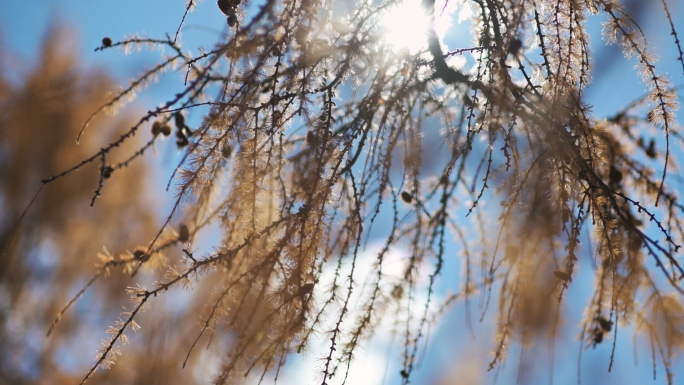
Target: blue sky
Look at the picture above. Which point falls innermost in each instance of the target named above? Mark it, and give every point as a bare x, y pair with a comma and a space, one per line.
24, 23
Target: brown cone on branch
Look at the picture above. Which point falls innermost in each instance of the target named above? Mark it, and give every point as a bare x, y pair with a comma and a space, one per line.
225, 7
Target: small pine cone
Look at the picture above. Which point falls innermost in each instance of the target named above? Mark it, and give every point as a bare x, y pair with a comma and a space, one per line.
227, 151
306, 289
182, 142
232, 21
183, 233
276, 116
224, 6
140, 254
106, 172
156, 128
406, 197
179, 119
311, 139
563, 276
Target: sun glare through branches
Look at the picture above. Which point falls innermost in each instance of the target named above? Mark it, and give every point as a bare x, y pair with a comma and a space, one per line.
405, 25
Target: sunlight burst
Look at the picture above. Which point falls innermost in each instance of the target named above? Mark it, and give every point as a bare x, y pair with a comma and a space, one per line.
405, 26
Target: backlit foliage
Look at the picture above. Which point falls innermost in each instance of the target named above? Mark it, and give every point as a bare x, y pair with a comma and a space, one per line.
318, 136
50, 255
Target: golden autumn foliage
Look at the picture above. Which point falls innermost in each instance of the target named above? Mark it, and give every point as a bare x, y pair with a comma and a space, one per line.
342, 175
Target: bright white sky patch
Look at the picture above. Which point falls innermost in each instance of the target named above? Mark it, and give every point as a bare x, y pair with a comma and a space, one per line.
384, 350
406, 24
